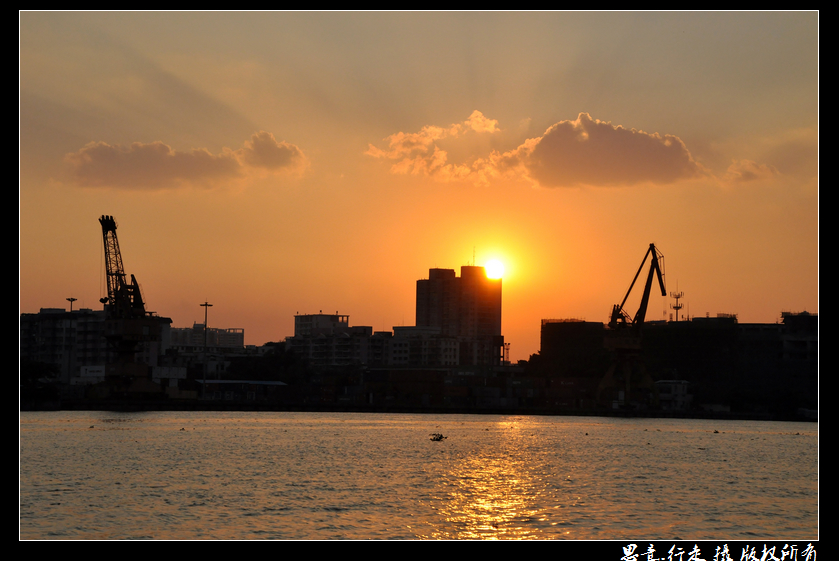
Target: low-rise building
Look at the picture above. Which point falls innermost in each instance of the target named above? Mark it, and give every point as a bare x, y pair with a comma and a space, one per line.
75, 342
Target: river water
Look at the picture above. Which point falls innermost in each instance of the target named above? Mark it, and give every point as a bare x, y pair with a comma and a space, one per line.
201, 475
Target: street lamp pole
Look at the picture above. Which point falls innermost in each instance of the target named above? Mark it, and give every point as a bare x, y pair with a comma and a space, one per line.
206, 305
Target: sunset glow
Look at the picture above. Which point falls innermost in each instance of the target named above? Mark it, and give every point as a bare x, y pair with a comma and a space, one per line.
276, 163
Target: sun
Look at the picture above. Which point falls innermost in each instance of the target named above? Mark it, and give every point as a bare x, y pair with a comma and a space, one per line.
494, 268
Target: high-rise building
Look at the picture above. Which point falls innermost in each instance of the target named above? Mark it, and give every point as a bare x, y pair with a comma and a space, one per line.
467, 308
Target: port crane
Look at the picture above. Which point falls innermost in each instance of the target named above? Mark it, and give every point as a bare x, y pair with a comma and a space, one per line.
124, 299
127, 323
626, 383
620, 318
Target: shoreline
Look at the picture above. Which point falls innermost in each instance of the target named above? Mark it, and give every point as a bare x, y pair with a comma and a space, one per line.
211, 406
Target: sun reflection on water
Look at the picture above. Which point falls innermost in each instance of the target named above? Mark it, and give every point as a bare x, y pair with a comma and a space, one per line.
493, 496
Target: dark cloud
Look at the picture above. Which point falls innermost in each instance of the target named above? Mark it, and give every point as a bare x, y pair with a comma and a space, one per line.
158, 166
592, 152
263, 151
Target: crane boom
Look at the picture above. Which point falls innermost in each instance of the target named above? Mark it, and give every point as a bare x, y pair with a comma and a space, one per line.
124, 298
620, 318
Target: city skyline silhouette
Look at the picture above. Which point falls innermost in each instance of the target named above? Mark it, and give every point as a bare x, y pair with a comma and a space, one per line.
275, 163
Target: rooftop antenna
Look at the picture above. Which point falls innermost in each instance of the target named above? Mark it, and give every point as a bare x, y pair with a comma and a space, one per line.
473, 256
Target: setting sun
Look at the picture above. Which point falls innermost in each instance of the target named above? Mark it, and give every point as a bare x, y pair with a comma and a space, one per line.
494, 268
356, 188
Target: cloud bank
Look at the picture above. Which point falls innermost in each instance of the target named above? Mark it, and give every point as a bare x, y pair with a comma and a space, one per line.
593, 152
585, 151
157, 166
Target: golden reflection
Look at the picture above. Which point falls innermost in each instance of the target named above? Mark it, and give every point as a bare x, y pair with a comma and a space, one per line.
492, 496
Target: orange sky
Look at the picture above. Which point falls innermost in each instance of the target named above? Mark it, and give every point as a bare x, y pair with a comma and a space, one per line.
282, 163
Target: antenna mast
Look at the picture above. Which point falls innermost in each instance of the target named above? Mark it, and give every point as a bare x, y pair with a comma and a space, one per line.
677, 306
